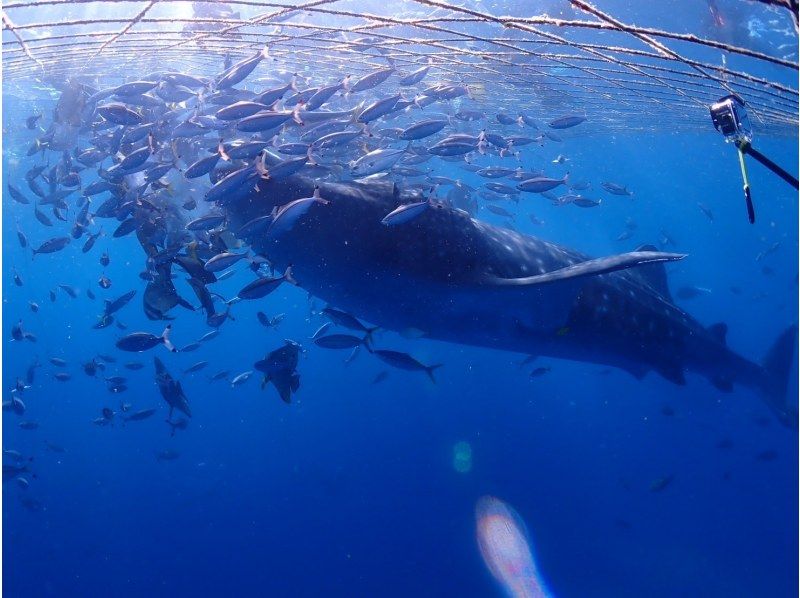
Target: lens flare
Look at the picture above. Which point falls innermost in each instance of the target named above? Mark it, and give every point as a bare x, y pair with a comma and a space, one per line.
506, 551
462, 457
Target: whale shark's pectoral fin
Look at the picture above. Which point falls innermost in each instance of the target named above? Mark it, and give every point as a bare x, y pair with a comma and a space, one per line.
595, 267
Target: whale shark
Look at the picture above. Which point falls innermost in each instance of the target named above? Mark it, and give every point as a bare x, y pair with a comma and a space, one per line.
451, 277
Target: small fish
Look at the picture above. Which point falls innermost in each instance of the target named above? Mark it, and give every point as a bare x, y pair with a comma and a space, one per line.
241, 378
404, 361
69, 290
499, 211
616, 189
405, 213
224, 260
376, 161
52, 245
264, 286
206, 223
369, 80
540, 371
320, 331
23, 240
566, 122
196, 367
17, 195
19, 334
118, 303
16, 405
285, 218
142, 341
541, 184
761, 254
90, 367
342, 318
706, 210
87, 246
585, 202
42, 218
691, 292
624, 235
339, 341
125, 228
13, 455
140, 415
209, 335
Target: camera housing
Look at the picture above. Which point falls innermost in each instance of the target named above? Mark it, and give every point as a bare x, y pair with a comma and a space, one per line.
729, 115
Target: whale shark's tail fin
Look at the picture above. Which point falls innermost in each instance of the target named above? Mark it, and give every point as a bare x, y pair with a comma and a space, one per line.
777, 367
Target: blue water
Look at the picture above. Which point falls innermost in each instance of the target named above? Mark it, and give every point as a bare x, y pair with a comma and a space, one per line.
351, 490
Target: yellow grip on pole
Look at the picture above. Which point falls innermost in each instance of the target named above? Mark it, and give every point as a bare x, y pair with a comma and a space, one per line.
743, 167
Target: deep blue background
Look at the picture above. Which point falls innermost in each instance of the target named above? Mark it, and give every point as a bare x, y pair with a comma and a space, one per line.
351, 491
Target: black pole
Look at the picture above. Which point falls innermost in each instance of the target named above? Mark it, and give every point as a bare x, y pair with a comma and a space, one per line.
758, 156
751, 211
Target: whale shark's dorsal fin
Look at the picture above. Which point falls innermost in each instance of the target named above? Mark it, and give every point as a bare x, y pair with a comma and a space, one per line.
595, 267
655, 275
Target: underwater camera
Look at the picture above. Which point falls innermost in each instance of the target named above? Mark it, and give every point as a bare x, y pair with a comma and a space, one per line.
729, 115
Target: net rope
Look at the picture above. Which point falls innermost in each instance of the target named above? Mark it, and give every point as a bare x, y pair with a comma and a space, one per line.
622, 75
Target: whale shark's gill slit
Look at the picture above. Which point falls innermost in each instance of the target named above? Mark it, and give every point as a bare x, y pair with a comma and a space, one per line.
594, 267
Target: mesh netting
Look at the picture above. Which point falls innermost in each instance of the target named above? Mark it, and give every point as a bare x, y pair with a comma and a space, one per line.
621, 75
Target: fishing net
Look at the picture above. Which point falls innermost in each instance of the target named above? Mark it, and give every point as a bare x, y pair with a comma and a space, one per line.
638, 67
